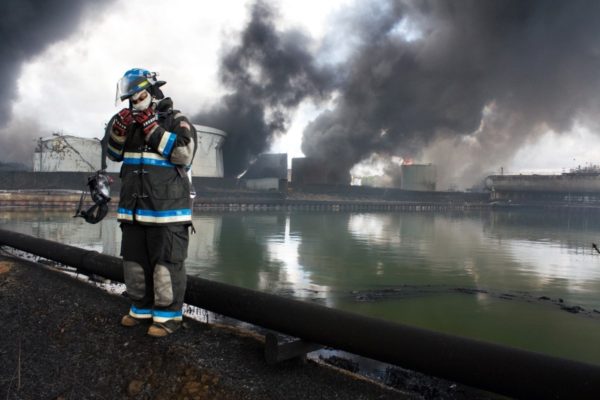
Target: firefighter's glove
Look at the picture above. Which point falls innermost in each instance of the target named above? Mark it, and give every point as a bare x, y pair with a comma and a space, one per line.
148, 120
122, 121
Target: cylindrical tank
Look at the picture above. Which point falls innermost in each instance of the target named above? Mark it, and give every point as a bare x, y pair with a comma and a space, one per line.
65, 153
208, 161
420, 177
565, 183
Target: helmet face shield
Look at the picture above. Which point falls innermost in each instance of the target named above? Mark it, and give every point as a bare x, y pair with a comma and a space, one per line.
134, 80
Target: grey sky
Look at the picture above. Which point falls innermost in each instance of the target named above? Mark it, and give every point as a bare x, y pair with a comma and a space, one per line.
68, 84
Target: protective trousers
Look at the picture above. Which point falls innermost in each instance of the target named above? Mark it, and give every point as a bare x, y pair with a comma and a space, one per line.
153, 266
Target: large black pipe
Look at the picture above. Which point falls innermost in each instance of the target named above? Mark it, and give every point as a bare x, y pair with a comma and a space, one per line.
499, 369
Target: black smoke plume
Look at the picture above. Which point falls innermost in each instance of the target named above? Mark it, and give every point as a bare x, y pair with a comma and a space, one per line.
269, 72
27, 28
464, 83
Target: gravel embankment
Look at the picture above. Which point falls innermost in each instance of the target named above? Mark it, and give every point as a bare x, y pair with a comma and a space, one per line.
61, 339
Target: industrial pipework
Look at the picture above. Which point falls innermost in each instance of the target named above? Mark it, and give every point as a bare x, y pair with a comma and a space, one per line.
495, 368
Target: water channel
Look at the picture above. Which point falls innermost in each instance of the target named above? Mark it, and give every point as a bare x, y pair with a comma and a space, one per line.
527, 279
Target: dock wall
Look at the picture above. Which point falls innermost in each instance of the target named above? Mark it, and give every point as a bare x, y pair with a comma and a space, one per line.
63, 189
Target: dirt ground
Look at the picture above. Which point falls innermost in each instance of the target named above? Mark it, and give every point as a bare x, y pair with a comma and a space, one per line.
61, 339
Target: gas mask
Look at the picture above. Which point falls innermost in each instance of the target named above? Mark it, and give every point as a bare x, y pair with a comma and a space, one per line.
99, 186
141, 100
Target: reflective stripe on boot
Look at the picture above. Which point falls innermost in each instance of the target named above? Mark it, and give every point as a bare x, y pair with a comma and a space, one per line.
166, 315
140, 313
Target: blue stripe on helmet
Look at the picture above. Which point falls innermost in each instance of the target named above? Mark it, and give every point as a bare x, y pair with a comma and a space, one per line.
137, 72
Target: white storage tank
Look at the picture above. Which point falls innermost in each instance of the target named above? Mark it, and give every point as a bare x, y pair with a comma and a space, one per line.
208, 161
65, 153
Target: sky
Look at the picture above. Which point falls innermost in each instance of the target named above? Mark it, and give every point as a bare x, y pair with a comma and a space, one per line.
72, 83
343, 74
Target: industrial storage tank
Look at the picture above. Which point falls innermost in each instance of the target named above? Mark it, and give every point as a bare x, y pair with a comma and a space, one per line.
65, 153
420, 177
208, 161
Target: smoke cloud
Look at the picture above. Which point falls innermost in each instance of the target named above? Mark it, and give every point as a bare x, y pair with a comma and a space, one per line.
27, 28
268, 72
18, 138
464, 84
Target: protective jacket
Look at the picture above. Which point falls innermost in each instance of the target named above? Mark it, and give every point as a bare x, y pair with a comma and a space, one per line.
155, 188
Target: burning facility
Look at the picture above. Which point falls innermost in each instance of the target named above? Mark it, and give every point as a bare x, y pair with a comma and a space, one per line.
268, 172
308, 170
419, 177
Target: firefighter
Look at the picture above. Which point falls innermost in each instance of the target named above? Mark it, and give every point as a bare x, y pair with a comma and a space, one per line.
156, 145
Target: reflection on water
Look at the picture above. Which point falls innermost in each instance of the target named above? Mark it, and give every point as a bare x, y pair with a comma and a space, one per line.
496, 276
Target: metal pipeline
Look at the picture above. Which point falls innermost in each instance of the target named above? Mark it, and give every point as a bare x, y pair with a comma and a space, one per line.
504, 370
